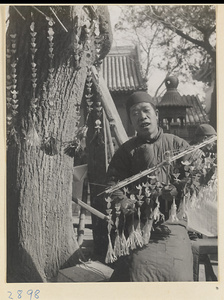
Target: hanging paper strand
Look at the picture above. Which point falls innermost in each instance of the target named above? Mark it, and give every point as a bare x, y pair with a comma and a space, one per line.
138, 228
50, 38
147, 228
33, 68
12, 92
32, 137
89, 94
123, 240
117, 243
182, 207
173, 212
49, 144
131, 240
98, 43
98, 136
78, 145
157, 215
110, 256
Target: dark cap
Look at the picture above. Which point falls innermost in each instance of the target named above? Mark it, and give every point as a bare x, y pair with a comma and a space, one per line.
138, 97
205, 130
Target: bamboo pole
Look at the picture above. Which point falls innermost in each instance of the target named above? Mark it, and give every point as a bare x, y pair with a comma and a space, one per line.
153, 169
91, 209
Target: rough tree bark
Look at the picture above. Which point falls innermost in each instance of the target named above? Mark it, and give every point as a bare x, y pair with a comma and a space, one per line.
40, 236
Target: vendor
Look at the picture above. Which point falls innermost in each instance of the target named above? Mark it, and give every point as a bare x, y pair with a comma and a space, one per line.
167, 256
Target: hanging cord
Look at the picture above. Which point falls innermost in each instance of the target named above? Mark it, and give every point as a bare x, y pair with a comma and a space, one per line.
37, 9
58, 19
19, 13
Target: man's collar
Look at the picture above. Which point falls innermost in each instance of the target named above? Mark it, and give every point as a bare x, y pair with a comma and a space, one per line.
151, 141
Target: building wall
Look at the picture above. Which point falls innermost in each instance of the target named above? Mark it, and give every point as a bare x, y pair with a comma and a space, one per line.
120, 103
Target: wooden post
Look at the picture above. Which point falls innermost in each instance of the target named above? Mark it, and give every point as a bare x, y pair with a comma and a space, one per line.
105, 139
110, 141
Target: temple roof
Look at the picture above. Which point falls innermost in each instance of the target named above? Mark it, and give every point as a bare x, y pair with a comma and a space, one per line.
121, 70
195, 112
172, 99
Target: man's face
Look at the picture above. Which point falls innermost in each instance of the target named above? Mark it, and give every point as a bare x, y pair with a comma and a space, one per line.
144, 119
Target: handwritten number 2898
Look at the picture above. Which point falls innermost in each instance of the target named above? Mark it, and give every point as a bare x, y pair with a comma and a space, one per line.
31, 293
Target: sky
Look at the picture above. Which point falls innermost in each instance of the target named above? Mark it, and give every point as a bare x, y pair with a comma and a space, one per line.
191, 88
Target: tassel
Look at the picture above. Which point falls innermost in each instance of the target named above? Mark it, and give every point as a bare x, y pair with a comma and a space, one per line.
131, 239
124, 244
138, 237
157, 215
182, 214
135, 239
123, 240
118, 251
147, 231
138, 233
117, 244
110, 256
173, 212
32, 137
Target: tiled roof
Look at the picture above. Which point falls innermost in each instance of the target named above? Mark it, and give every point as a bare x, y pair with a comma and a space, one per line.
196, 114
121, 70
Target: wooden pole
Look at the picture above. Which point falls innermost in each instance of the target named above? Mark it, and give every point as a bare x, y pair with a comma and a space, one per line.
105, 139
91, 209
187, 153
110, 141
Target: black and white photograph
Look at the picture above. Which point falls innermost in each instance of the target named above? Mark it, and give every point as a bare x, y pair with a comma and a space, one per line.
111, 173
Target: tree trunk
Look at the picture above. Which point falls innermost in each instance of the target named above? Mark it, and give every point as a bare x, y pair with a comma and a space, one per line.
40, 236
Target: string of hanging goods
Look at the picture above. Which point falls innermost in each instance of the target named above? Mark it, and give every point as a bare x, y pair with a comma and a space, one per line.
32, 137
49, 144
11, 89
78, 145
163, 163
